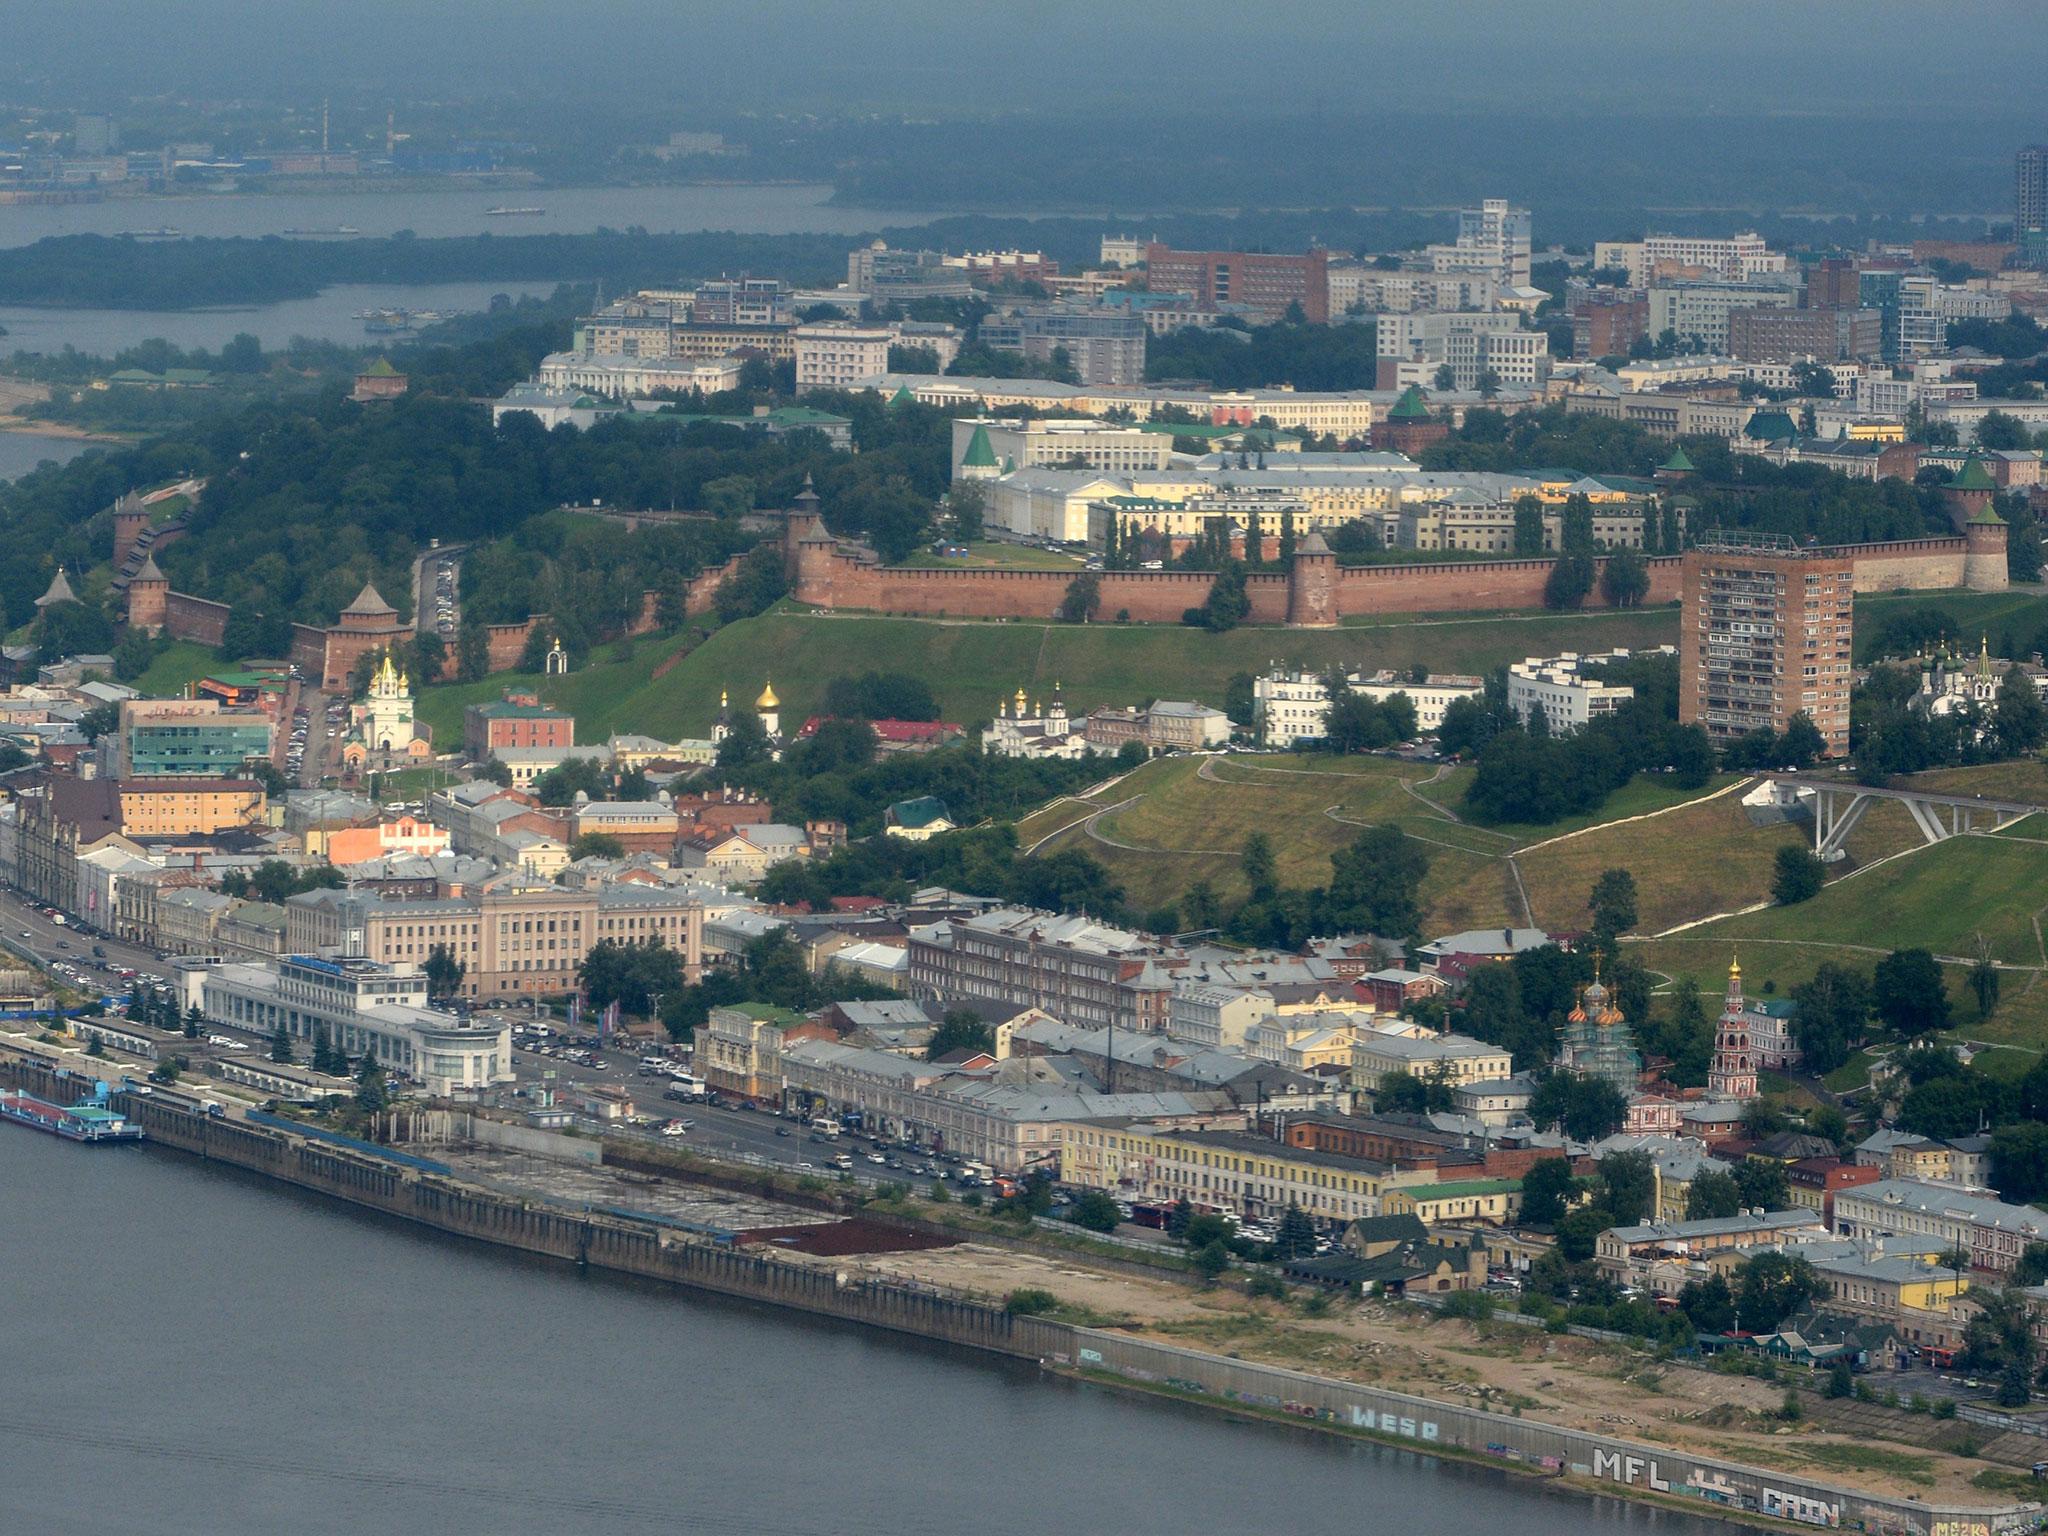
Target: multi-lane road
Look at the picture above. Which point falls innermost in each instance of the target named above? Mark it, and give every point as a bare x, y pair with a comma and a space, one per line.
27, 931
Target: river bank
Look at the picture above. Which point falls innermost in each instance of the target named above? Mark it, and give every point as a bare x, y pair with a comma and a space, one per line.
428, 1192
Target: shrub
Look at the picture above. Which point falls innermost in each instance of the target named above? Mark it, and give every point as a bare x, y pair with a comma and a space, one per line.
1474, 1306
1030, 1302
1267, 1287
1945, 1409
1791, 1410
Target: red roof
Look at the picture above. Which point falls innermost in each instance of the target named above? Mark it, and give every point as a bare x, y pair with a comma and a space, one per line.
857, 903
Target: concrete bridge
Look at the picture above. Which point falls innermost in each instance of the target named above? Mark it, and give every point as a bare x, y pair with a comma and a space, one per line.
1839, 804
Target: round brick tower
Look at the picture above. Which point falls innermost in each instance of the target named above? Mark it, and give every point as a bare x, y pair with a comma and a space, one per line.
1984, 541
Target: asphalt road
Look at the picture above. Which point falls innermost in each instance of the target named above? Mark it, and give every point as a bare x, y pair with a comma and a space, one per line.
48, 941
752, 1132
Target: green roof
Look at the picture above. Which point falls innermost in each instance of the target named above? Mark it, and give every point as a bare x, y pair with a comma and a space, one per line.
1973, 476
1984, 517
981, 454
505, 709
381, 369
1466, 1189
1678, 463
903, 396
921, 812
1770, 427
1410, 407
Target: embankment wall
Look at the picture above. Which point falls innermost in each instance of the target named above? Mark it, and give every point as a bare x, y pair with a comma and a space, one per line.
425, 1192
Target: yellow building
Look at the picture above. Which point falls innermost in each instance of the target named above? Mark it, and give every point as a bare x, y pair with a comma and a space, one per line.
189, 807
1466, 1202
1226, 1171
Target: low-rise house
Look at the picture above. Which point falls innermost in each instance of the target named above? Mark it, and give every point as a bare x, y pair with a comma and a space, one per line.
1227, 1171
1625, 1252
1460, 1203
740, 1049
919, 819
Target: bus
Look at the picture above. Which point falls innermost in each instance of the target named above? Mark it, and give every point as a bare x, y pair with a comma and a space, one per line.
825, 1126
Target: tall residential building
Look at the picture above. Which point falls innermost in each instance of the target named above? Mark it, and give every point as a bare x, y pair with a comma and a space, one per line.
1470, 344
1493, 240
1764, 634
1104, 346
1265, 282
2030, 205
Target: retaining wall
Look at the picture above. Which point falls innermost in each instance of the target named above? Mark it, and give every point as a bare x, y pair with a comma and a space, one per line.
1525, 1443
645, 1248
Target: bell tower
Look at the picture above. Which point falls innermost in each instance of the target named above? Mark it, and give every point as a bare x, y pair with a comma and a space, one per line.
1734, 1071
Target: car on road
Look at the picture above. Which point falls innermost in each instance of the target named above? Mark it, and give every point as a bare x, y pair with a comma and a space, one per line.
782, 1130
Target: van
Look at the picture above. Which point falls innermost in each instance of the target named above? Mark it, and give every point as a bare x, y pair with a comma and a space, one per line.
843, 1160
824, 1126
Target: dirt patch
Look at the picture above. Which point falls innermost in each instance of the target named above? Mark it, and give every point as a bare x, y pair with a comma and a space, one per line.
840, 1239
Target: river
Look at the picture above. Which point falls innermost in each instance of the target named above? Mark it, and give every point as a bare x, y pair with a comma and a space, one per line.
329, 315
21, 452
194, 1352
760, 210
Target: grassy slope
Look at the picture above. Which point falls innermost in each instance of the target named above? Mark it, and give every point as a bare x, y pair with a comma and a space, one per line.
182, 662
1185, 828
1939, 899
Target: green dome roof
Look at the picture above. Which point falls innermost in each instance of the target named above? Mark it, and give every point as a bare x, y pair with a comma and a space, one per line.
1679, 463
981, 453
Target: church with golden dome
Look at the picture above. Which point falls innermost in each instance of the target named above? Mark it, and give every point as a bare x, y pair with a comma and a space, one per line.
767, 709
382, 732
1597, 1042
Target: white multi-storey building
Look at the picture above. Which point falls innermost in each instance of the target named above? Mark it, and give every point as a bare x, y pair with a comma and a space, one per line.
1741, 256
1493, 241
1567, 698
1294, 705
1470, 344
619, 376
1701, 310
838, 356
362, 1007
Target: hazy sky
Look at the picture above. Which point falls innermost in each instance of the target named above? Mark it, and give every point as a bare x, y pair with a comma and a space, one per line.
1966, 57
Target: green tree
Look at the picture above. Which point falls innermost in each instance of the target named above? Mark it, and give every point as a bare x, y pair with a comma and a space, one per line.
1082, 599
1772, 1288
1569, 583
371, 1093
1624, 579
1796, 875
1709, 1305
597, 845
1802, 745
1210, 1260
1833, 1016
1984, 980
1528, 527
1228, 603
1239, 699
960, 1030
1711, 1196
444, 972
1257, 863
1613, 905
2019, 1161
1547, 1191
745, 744
281, 1045
1095, 1210
2019, 717
1578, 1232
1376, 883
1295, 1237
1910, 995
1762, 1185
1628, 1183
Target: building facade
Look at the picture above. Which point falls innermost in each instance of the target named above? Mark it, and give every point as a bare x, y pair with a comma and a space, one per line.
1765, 634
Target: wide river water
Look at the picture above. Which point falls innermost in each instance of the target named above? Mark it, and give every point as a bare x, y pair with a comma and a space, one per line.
761, 210
194, 1352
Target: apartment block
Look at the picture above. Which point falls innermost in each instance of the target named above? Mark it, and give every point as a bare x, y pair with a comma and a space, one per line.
1764, 634
1773, 334
840, 356
1265, 282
